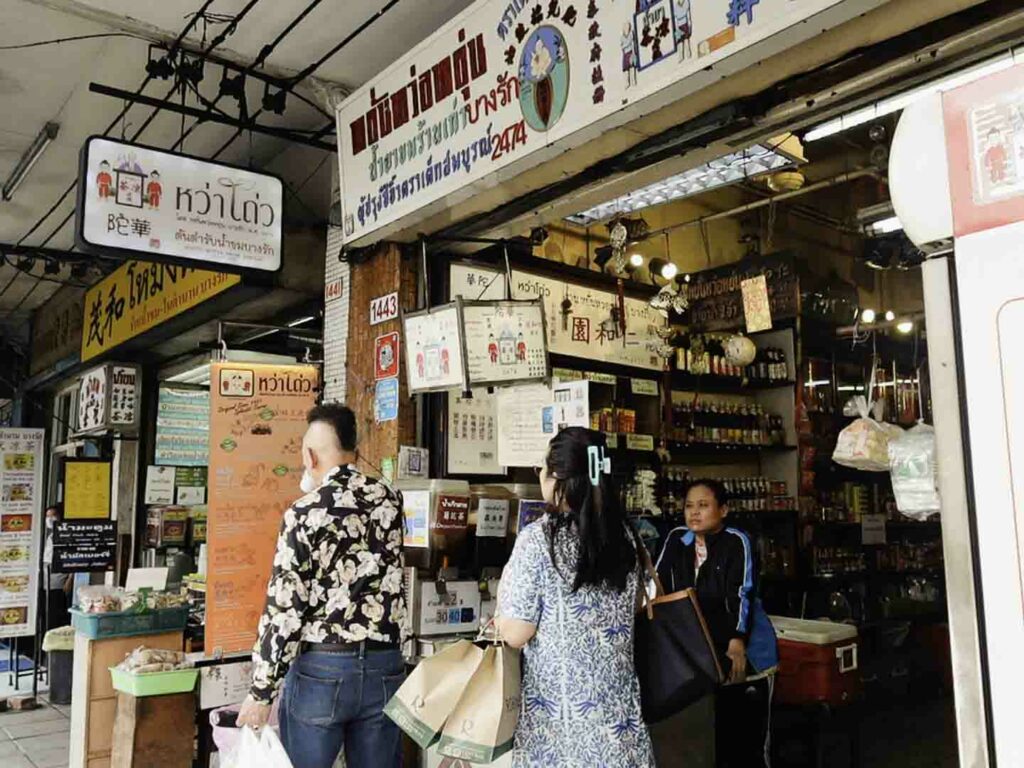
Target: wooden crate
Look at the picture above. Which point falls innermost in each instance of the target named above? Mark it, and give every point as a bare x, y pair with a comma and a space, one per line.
93, 702
153, 731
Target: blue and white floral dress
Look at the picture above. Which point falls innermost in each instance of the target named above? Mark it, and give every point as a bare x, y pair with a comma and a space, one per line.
581, 698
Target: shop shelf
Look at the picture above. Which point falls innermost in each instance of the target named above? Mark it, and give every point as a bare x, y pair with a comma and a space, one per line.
126, 623
724, 385
154, 683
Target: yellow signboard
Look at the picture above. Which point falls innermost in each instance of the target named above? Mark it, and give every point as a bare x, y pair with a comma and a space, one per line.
86, 490
141, 295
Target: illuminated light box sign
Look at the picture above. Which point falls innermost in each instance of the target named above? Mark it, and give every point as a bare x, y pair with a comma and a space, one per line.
167, 207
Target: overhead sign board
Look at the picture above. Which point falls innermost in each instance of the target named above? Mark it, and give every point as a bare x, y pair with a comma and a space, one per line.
168, 207
513, 83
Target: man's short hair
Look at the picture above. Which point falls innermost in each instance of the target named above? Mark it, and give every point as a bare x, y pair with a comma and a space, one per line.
340, 418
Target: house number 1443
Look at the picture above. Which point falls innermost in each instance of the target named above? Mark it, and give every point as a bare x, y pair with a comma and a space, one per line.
384, 308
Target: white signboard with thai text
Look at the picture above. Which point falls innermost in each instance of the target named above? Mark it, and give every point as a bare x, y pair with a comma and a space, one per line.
508, 78
21, 474
163, 206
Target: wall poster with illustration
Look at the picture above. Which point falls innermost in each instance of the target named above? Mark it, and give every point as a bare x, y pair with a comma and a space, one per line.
505, 341
435, 349
21, 473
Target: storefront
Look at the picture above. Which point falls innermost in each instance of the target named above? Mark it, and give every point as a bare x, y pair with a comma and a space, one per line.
716, 295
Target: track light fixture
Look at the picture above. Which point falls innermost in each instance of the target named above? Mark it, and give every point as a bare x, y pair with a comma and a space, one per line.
51, 267
160, 67
232, 86
79, 270
538, 235
274, 102
191, 69
25, 264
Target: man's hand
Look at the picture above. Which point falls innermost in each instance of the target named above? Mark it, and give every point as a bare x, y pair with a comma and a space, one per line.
254, 713
737, 653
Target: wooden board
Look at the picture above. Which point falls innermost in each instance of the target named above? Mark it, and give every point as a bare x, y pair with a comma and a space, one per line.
153, 731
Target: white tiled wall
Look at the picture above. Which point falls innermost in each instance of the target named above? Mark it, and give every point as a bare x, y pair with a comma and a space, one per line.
335, 321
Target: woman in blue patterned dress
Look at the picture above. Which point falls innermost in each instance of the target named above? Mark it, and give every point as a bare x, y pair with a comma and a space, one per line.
569, 595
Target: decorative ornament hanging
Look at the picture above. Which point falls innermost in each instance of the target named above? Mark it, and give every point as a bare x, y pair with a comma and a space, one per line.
739, 350
618, 236
666, 350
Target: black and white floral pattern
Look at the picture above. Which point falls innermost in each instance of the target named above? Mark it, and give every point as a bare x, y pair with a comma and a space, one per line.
337, 575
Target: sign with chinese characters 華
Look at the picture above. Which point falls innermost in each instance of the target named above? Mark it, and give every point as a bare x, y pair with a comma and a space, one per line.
505, 85
473, 434
92, 400
108, 399
21, 524
136, 297
168, 207
587, 329
505, 341
434, 349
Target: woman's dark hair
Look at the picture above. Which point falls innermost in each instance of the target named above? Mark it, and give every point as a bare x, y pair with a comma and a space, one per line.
606, 551
716, 487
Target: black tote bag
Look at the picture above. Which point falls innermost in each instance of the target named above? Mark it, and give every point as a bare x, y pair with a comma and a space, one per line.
675, 659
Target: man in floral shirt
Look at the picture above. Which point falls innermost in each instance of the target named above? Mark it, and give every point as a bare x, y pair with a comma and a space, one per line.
331, 628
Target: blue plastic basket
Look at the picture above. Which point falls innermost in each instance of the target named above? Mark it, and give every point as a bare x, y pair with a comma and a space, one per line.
126, 623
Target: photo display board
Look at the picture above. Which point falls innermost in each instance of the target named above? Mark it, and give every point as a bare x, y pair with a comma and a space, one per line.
505, 341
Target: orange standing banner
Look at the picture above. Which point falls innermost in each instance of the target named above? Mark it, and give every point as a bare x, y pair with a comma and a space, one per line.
257, 420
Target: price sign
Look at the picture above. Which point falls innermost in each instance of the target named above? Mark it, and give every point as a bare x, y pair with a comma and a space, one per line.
640, 442
384, 308
644, 387
332, 290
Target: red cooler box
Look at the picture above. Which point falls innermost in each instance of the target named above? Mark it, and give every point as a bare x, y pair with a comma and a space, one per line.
817, 662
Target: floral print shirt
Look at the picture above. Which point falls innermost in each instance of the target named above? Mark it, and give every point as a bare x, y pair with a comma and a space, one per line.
581, 697
337, 574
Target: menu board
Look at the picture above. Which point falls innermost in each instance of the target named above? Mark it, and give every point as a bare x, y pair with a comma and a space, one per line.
84, 546
86, 489
124, 385
434, 349
21, 467
505, 341
183, 427
257, 421
473, 434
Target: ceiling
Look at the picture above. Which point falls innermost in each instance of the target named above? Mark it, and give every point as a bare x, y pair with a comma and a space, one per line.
51, 83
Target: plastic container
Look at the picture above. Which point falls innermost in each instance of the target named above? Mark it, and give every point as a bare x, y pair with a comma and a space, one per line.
154, 683
126, 623
818, 662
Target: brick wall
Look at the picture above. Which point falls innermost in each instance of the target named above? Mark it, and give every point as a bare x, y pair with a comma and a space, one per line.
384, 272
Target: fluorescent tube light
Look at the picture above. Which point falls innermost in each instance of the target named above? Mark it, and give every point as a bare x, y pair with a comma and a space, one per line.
903, 100
29, 159
738, 166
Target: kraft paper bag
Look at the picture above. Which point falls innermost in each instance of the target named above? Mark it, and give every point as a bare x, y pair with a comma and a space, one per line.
481, 728
432, 691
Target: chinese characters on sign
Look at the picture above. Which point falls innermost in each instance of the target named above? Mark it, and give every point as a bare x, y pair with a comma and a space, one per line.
87, 489
473, 434
123, 394
452, 513
505, 342
757, 309
168, 206
433, 349
92, 400
21, 468
136, 297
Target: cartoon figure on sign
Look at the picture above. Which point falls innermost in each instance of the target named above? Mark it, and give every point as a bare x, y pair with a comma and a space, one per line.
386, 358
684, 28
104, 181
995, 157
154, 190
628, 54
544, 78
521, 348
492, 349
420, 363
444, 357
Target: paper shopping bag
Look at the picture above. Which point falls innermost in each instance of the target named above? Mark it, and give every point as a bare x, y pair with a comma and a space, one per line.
481, 728
432, 691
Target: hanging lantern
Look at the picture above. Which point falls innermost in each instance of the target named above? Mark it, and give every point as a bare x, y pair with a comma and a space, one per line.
739, 350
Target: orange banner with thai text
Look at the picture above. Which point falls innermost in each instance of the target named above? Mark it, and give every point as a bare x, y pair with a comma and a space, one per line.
257, 420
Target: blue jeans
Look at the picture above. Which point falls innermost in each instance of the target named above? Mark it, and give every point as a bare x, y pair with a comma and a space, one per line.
335, 701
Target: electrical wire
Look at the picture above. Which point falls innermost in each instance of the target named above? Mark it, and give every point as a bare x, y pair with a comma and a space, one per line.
76, 38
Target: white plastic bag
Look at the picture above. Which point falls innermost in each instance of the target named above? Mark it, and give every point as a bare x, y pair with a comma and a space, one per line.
913, 470
263, 751
864, 444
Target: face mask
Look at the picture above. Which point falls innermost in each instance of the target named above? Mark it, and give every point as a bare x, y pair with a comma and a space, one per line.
308, 484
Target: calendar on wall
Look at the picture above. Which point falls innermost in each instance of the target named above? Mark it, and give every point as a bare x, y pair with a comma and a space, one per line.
506, 341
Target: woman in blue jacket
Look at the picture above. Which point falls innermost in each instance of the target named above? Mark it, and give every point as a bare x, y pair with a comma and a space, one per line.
719, 563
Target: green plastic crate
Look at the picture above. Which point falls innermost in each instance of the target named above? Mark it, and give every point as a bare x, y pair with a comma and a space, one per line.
126, 623
154, 683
